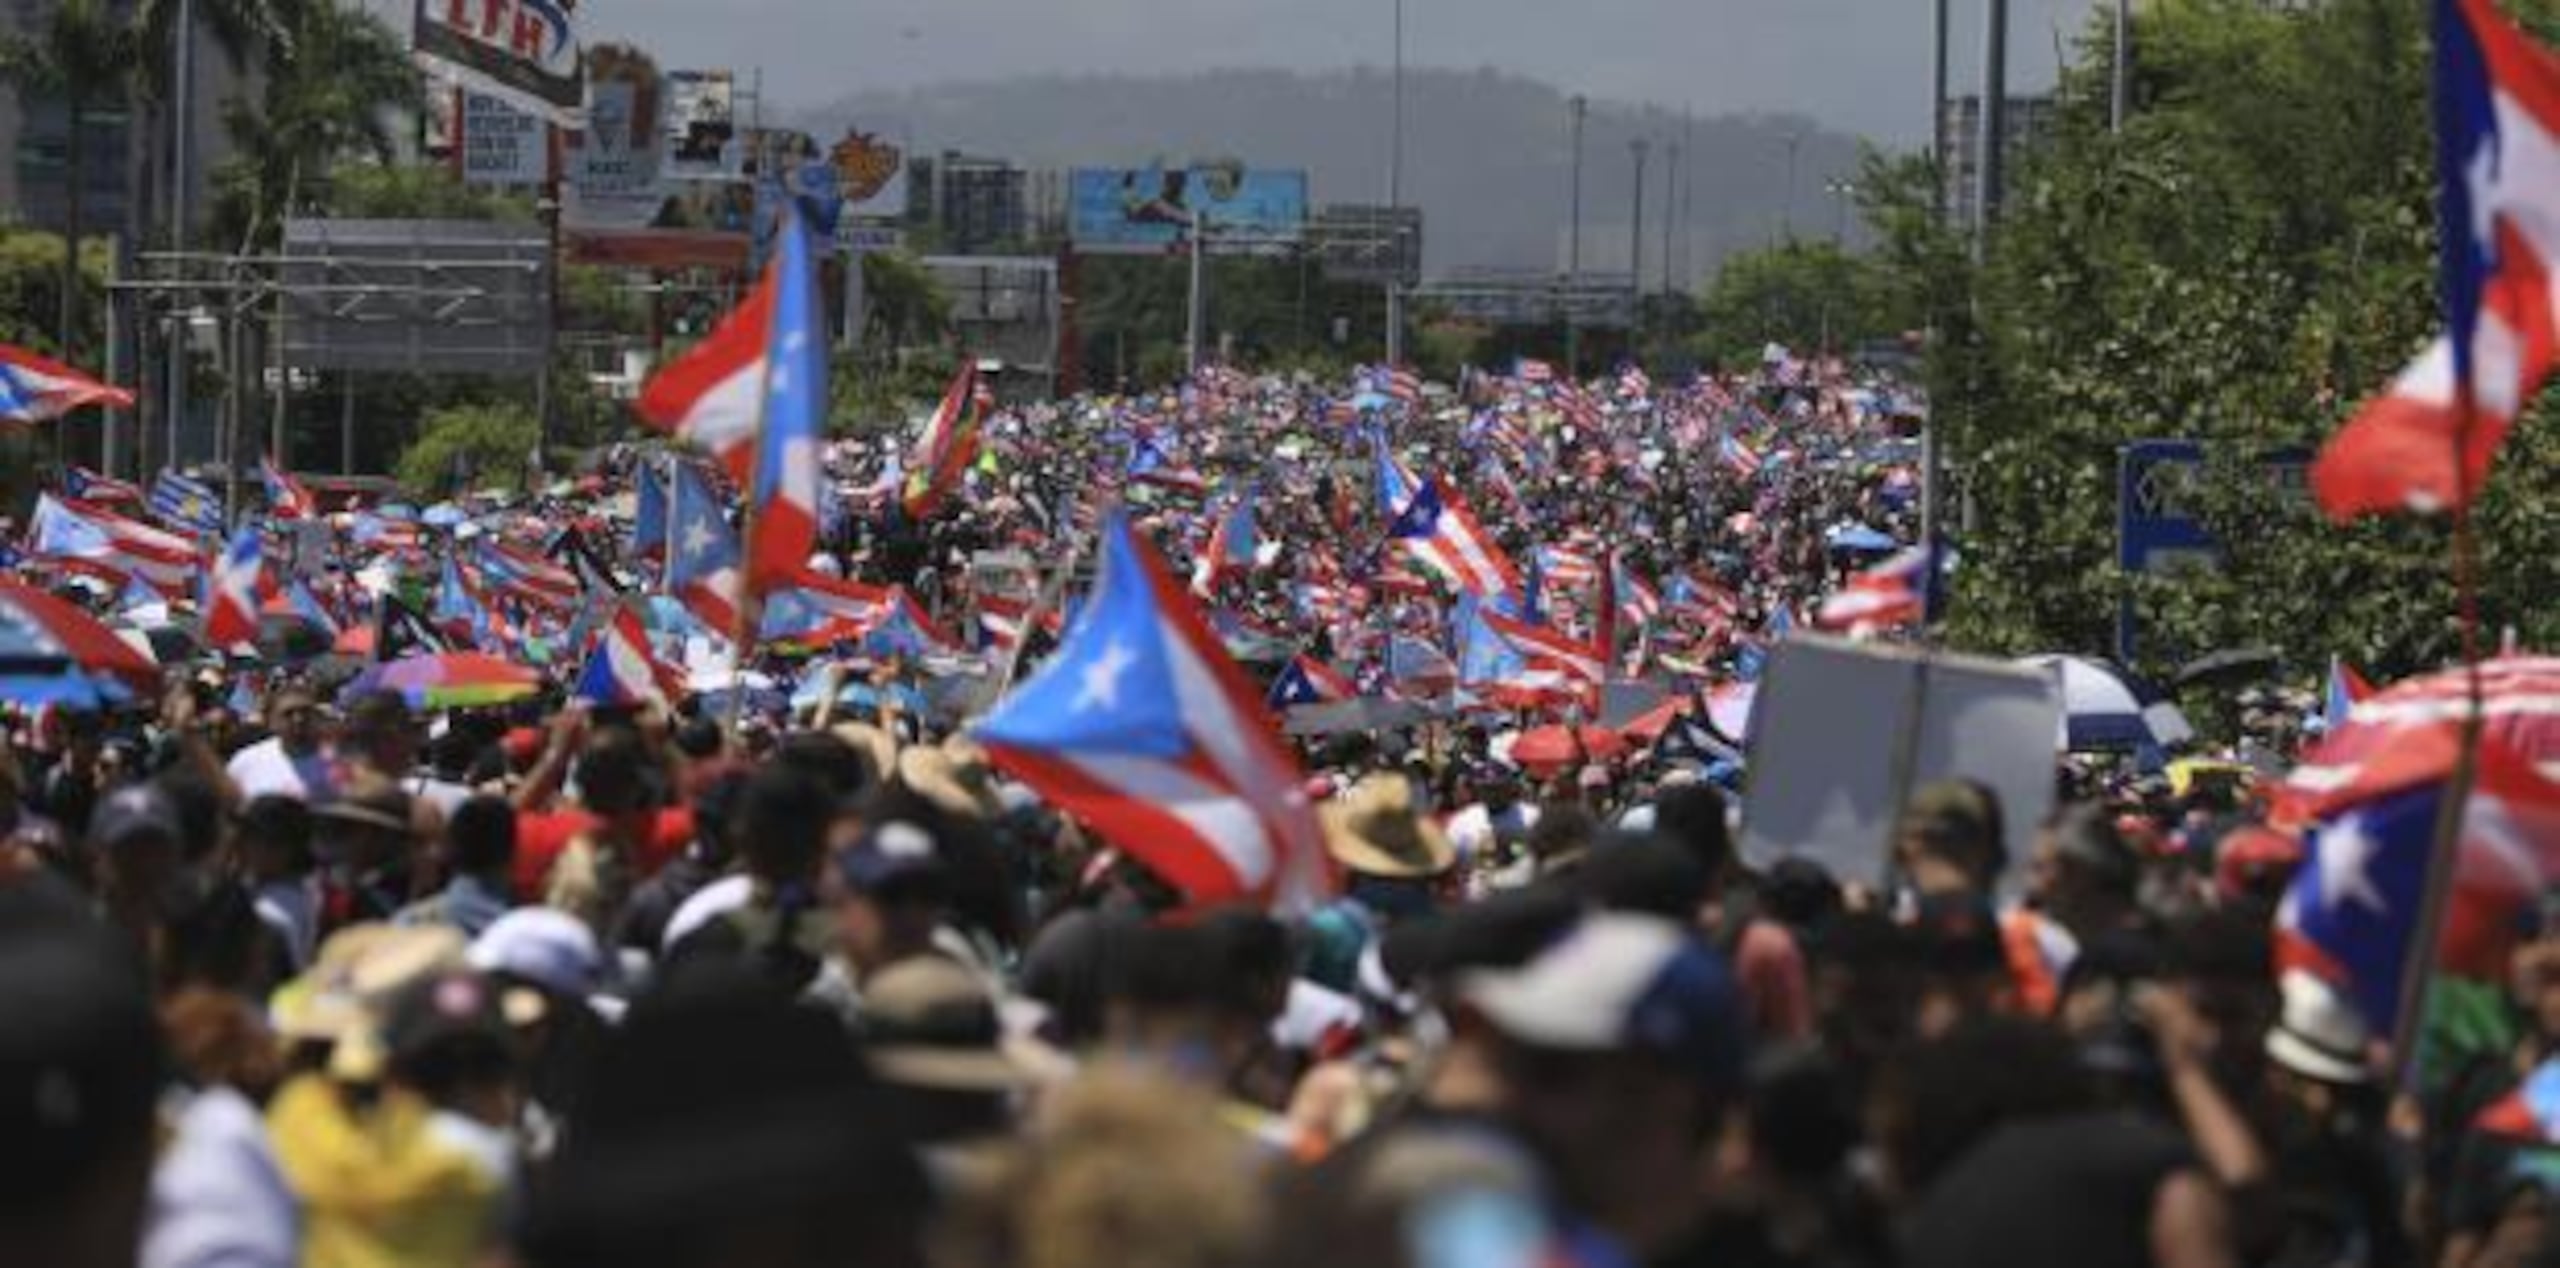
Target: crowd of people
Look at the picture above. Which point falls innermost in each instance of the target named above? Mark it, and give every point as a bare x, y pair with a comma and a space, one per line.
772, 965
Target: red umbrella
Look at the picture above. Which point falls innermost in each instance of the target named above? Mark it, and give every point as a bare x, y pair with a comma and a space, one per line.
2520, 710
39, 632
1648, 726
1549, 747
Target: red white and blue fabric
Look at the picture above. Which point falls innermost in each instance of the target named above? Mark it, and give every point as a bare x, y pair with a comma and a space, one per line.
783, 495
1529, 370
286, 498
1435, 525
1900, 591
905, 629
2354, 906
515, 573
92, 539
1403, 384
1142, 727
702, 555
1306, 680
35, 389
1549, 649
89, 486
622, 671
818, 609
1638, 602
712, 397
2345, 688
1741, 458
231, 592
2497, 117
948, 446
1232, 546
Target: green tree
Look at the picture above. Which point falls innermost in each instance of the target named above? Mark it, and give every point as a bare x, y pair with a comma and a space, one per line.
1806, 295
904, 304
336, 81
416, 191
458, 446
2242, 265
83, 52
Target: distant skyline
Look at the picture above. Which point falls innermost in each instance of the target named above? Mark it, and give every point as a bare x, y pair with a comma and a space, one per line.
1861, 66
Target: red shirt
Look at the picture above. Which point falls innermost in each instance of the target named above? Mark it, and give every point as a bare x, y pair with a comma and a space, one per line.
542, 836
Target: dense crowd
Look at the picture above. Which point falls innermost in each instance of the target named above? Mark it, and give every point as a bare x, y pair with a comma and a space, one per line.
772, 966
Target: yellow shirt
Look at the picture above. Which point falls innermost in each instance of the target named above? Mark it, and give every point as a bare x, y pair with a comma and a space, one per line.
380, 1185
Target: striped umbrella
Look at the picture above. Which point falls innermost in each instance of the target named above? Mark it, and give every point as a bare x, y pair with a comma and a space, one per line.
2520, 709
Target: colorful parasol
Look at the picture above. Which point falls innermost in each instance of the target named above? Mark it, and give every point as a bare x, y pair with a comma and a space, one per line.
449, 680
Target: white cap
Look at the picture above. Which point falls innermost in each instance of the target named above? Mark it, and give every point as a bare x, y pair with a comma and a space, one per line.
2320, 1035
542, 945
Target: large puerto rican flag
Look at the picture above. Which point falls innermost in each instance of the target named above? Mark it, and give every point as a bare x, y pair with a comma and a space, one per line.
36, 389
2497, 116
623, 671
782, 496
1435, 524
93, 539
1143, 728
712, 396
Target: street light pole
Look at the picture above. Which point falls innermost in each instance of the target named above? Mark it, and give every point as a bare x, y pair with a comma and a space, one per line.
1635, 236
181, 128
1395, 203
1198, 305
1787, 214
1573, 251
1991, 146
1670, 211
2119, 86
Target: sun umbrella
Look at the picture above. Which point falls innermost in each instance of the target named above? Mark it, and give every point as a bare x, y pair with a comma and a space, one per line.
2104, 708
69, 689
1858, 539
1557, 746
2520, 709
41, 635
449, 680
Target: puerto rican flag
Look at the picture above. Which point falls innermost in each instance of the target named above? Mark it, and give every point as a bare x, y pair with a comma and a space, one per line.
1437, 527
1529, 370
36, 389
286, 498
1638, 602
1900, 591
816, 609
1232, 547
702, 555
1548, 649
520, 574
89, 486
1741, 458
783, 495
712, 396
623, 671
1306, 680
1143, 728
2497, 118
231, 592
92, 539
1403, 384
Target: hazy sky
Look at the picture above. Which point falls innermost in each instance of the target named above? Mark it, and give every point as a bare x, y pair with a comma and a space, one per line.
1859, 65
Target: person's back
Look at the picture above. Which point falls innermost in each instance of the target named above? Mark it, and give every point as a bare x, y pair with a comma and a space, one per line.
382, 1179
2079, 1189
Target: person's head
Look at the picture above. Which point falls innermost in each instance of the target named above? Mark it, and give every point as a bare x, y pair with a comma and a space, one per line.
2319, 1053
1620, 1049
480, 838
293, 717
1950, 838
716, 796
893, 886
618, 779
448, 1040
1562, 835
1937, 1098
2082, 872
1692, 816
274, 837
1199, 998
368, 828
139, 845
1392, 856
80, 1073
380, 732
716, 1063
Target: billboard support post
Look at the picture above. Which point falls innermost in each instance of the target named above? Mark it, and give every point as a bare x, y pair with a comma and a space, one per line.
1198, 306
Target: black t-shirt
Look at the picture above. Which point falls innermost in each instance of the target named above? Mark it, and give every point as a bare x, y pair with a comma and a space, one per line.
2075, 1189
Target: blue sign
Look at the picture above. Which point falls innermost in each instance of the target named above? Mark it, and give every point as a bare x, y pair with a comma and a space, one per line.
2156, 525
1148, 210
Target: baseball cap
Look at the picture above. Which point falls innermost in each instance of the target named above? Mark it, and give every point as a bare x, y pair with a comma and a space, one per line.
132, 813
1622, 983
889, 852
542, 945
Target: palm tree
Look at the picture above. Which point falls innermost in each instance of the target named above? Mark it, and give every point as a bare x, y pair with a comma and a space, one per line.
337, 83
81, 53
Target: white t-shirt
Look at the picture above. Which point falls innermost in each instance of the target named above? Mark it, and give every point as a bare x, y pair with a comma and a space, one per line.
707, 904
262, 769
1473, 830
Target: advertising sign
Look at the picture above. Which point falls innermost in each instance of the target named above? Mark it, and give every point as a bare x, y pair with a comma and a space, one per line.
1146, 211
702, 125
2156, 525
523, 50
613, 166
501, 145
871, 174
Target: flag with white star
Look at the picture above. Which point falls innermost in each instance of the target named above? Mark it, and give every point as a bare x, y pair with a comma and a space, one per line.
1143, 728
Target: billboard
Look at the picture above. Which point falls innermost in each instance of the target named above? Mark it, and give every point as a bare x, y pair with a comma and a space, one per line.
871, 174
702, 125
501, 145
523, 50
613, 165
1144, 210
423, 296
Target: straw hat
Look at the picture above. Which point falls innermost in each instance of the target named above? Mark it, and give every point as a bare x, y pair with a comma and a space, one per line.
1375, 830
953, 776
930, 1022
340, 998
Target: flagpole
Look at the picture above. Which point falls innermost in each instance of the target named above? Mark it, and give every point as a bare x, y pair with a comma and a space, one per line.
2445, 849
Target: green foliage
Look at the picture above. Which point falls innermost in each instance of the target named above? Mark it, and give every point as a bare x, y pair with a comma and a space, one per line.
337, 80
489, 445
903, 304
1131, 316
2245, 263
367, 191
1801, 294
31, 290
869, 396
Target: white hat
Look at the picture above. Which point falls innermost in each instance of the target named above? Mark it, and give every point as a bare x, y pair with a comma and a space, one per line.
543, 945
2319, 1036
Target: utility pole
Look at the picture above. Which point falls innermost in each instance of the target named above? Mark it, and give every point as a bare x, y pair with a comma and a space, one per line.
1198, 304
1993, 143
1573, 251
2119, 84
1938, 96
182, 114
1688, 223
1635, 237
1395, 202
1670, 211
1787, 214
